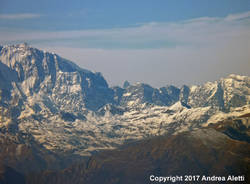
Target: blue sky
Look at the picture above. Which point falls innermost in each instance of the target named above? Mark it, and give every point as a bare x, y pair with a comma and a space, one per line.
82, 14
153, 41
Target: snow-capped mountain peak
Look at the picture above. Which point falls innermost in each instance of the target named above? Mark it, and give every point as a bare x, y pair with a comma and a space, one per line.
65, 107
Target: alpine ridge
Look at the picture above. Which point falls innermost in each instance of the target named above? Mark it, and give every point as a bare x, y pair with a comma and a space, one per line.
67, 109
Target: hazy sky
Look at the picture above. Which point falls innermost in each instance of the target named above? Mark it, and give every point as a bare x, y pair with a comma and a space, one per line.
158, 42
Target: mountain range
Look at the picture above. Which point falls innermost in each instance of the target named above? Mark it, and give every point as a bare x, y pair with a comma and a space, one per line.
55, 114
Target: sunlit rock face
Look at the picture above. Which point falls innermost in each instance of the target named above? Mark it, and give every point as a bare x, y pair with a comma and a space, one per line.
36, 80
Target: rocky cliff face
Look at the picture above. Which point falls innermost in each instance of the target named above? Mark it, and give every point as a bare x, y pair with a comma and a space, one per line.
35, 81
232, 91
